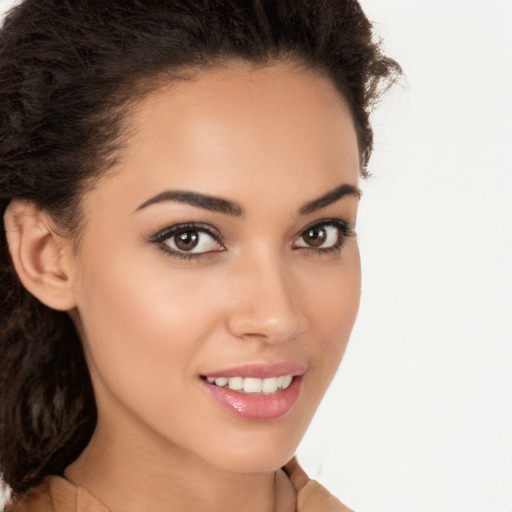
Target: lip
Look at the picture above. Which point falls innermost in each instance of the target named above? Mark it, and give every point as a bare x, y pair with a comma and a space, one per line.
254, 406
260, 371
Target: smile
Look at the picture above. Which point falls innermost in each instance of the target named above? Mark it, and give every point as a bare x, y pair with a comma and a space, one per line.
256, 392
267, 386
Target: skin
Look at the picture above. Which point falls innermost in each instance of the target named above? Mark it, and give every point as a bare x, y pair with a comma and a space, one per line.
270, 139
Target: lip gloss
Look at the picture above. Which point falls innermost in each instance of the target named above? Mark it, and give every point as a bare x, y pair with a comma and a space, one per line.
257, 406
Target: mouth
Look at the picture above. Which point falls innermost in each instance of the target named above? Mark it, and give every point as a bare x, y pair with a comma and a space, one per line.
256, 392
252, 385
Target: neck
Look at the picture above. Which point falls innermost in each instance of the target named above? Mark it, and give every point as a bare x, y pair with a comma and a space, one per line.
127, 475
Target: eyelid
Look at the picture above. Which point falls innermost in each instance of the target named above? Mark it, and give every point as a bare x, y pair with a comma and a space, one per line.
165, 234
170, 231
347, 228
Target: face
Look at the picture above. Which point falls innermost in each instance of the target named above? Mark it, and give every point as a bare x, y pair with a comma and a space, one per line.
218, 276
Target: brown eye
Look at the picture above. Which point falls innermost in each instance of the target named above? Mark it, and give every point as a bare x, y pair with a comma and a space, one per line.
315, 237
187, 240
193, 241
322, 236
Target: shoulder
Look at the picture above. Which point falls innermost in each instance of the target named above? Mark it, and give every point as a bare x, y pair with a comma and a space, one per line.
35, 499
56, 494
311, 496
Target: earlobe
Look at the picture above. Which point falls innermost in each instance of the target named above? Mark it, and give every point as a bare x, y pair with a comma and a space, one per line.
41, 257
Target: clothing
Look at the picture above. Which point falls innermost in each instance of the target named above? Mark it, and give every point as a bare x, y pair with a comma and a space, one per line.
56, 494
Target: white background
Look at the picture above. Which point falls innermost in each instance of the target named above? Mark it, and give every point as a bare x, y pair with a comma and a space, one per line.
419, 418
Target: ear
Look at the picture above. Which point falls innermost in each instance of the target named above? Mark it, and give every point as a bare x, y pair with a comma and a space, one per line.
42, 258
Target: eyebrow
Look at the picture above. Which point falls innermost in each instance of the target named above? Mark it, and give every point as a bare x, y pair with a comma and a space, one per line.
220, 205
330, 198
214, 204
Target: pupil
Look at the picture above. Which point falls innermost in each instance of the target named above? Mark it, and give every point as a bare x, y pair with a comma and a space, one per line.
187, 240
315, 237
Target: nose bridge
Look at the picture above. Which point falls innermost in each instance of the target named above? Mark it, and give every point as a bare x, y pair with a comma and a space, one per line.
264, 300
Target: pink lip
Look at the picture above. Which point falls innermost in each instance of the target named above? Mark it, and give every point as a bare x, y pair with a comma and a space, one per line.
255, 406
260, 371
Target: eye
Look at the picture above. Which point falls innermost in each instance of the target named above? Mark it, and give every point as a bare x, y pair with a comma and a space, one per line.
319, 237
324, 235
188, 240
193, 241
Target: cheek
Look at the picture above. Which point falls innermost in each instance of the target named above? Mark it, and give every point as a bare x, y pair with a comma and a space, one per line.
140, 326
333, 304
150, 327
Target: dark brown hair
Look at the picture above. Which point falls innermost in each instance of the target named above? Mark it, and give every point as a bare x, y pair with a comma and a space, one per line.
68, 70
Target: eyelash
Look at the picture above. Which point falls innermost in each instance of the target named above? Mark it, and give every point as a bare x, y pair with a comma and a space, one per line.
345, 230
160, 238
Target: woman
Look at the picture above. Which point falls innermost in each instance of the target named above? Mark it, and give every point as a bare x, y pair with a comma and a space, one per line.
179, 186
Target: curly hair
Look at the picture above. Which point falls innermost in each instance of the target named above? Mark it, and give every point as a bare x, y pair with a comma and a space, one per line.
68, 73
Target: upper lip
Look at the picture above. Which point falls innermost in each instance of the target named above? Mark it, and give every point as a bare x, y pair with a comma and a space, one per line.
260, 371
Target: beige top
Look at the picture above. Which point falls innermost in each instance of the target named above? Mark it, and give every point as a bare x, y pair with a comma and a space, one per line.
56, 494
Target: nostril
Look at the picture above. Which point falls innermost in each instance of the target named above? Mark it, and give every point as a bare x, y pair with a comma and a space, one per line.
273, 331
265, 304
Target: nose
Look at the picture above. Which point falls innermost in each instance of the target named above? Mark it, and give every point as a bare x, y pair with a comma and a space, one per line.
265, 303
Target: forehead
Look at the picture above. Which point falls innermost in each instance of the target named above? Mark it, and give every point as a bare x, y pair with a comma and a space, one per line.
240, 131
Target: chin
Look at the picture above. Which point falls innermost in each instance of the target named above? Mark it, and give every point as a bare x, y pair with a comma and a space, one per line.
258, 450
257, 460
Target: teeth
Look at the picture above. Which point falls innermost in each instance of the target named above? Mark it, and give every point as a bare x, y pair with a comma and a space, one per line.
252, 385
236, 383
269, 385
221, 381
287, 380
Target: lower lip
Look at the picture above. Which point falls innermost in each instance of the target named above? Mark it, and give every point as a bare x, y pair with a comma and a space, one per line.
254, 406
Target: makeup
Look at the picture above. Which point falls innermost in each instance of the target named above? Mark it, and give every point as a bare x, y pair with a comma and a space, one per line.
217, 315
256, 392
